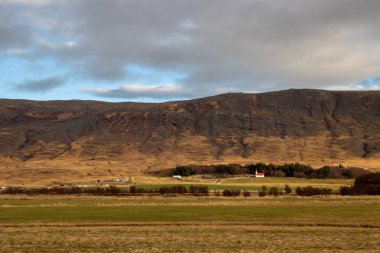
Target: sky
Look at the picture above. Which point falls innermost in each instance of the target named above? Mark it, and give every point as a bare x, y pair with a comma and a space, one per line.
160, 50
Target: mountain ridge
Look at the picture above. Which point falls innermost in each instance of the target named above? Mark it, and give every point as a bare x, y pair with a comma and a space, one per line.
94, 138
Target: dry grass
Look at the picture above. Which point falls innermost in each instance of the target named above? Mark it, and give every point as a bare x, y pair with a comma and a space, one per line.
189, 238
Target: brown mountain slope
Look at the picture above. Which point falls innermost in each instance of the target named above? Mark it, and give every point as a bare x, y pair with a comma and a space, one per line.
73, 138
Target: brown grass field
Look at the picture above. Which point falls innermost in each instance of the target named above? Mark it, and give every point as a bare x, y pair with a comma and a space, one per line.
189, 224
190, 238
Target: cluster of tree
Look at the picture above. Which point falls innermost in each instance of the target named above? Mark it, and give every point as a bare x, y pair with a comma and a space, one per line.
231, 193
368, 184
286, 170
173, 189
137, 190
184, 171
311, 191
196, 190
274, 191
106, 191
231, 169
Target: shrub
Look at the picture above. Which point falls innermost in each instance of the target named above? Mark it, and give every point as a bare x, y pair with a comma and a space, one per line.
346, 190
310, 191
180, 189
132, 189
231, 193
246, 193
198, 190
273, 191
288, 190
236, 192
263, 191
369, 179
368, 184
113, 190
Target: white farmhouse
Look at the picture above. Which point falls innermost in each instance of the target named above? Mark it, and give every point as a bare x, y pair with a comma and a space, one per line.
259, 174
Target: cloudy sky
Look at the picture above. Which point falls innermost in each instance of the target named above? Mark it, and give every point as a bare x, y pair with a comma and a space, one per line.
158, 50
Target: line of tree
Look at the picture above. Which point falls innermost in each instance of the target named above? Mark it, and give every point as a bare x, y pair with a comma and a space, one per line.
286, 170
100, 191
311, 191
196, 190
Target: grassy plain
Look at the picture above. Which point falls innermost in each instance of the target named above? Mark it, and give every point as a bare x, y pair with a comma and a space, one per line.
241, 183
189, 224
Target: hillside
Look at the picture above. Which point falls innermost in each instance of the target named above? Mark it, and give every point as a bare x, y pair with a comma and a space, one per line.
76, 139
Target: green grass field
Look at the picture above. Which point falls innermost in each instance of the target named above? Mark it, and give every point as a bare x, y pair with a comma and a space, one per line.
178, 211
246, 183
191, 224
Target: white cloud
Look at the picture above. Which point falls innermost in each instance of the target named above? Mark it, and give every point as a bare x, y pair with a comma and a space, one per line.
17, 52
188, 24
374, 87
56, 45
142, 88
345, 87
141, 91
29, 2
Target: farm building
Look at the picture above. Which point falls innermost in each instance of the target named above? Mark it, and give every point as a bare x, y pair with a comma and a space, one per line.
259, 174
121, 180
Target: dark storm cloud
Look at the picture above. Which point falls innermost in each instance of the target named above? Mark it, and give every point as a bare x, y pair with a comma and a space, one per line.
221, 45
42, 85
13, 33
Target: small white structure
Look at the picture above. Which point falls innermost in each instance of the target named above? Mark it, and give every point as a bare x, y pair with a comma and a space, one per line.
121, 180
178, 177
259, 174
